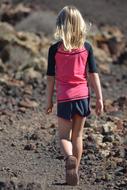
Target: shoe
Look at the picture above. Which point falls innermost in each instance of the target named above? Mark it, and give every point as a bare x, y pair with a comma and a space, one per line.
72, 177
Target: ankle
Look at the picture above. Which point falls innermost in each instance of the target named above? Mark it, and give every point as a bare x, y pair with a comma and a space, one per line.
67, 156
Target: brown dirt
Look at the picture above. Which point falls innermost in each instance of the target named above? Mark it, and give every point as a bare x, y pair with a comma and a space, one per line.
30, 158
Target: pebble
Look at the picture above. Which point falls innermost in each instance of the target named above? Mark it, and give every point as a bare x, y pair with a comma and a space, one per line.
30, 146
108, 138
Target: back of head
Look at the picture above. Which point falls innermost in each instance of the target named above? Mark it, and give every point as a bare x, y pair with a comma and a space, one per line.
70, 28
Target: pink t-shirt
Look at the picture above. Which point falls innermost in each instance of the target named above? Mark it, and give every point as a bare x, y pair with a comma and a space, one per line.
71, 76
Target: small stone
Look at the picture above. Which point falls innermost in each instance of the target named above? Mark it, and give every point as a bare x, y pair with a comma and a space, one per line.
28, 103
34, 136
52, 125
98, 138
91, 156
119, 139
87, 125
108, 128
12, 144
22, 109
105, 153
1, 128
105, 84
28, 89
119, 171
30, 147
108, 177
108, 138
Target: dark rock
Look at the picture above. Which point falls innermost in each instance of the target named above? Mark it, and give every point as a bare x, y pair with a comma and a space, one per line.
108, 138
121, 102
30, 146
112, 44
13, 14
32, 186
87, 124
34, 136
52, 126
5, 55
124, 77
119, 171
13, 91
105, 84
13, 144
122, 59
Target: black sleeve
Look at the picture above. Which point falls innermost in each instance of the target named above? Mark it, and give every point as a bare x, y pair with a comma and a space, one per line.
51, 62
92, 67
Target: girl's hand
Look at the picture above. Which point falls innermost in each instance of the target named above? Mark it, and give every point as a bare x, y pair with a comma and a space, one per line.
99, 106
49, 107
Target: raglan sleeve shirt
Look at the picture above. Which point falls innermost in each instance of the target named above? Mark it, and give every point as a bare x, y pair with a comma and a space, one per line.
91, 63
51, 62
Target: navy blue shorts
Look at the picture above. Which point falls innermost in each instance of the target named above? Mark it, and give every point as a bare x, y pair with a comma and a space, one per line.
68, 109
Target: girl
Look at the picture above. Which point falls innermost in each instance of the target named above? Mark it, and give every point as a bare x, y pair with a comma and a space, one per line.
68, 61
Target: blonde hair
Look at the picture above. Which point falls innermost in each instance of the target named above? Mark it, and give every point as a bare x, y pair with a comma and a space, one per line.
70, 28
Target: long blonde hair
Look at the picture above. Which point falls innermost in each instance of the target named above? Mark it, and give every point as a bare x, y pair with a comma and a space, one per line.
70, 28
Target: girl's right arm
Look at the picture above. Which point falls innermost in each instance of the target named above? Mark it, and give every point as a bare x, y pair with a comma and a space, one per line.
50, 80
49, 93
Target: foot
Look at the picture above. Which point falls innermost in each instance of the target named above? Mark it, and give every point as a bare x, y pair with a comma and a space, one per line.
72, 177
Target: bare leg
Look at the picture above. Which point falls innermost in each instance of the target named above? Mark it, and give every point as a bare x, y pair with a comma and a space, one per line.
77, 131
64, 129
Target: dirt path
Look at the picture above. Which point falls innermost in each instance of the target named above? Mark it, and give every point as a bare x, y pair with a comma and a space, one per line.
30, 156
26, 151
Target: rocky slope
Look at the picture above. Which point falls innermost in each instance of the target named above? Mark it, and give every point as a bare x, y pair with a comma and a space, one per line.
29, 151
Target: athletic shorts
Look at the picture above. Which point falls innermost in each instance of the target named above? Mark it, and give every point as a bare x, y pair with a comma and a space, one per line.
68, 109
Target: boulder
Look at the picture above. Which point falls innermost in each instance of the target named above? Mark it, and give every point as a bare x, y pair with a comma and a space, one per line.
38, 22
22, 50
13, 14
109, 44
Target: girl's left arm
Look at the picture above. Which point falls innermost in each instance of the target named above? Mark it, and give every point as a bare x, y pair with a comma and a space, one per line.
95, 83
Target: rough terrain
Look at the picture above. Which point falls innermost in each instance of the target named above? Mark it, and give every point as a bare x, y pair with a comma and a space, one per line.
30, 158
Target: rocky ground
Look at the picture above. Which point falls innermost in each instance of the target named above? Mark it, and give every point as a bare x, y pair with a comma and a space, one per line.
30, 158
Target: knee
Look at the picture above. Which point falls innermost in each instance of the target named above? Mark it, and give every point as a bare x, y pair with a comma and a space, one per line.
64, 136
